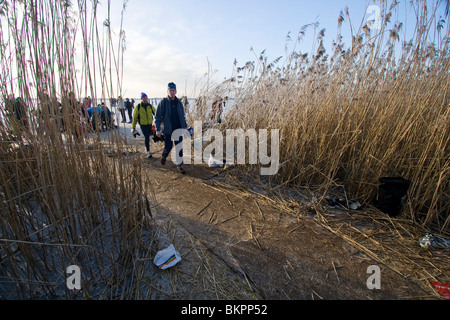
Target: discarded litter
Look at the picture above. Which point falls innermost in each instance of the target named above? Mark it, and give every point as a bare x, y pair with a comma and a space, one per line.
190, 130
430, 241
392, 194
214, 163
442, 288
167, 257
348, 204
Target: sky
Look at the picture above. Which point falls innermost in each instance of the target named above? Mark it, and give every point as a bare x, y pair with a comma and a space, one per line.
183, 40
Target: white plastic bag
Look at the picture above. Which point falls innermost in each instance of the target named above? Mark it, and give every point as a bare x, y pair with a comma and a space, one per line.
214, 163
167, 258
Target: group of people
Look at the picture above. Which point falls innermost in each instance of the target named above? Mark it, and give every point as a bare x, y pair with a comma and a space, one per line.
95, 116
67, 115
169, 116
160, 122
101, 113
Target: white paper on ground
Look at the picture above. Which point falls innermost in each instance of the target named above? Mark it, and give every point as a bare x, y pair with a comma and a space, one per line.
167, 257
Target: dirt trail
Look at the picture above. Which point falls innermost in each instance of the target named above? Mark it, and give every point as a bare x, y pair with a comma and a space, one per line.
279, 255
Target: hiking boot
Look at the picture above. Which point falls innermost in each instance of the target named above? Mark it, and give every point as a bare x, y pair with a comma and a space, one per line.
163, 161
181, 170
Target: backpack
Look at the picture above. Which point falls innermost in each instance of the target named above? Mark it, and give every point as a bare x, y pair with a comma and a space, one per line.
139, 113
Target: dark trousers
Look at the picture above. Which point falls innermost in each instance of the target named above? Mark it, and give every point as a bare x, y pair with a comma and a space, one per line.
147, 131
168, 145
130, 114
122, 112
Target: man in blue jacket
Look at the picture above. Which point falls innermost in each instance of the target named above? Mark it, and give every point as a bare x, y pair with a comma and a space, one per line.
170, 113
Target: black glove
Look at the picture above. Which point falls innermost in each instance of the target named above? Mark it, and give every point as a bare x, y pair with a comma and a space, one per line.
135, 133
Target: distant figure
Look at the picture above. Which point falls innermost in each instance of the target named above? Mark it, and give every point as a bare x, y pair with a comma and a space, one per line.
16, 111
129, 106
94, 116
107, 122
113, 102
170, 112
71, 116
216, 111
185, 102
20, 112
143, 114
121, 106
48, 112
87, 103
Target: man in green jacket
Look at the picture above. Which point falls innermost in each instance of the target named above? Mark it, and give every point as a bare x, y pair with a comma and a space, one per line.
143, 114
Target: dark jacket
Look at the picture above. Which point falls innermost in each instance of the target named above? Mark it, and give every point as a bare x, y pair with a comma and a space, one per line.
163, 115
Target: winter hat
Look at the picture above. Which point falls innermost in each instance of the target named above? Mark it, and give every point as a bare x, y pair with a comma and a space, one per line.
143, 95
171, 85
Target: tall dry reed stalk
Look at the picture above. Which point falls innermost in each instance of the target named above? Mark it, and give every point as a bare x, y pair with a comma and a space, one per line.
359, 114
64, 199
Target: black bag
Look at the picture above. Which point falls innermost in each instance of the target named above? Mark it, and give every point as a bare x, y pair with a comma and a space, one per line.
156, 138
392, 195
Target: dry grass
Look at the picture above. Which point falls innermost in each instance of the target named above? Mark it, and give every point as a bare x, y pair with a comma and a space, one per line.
375, 109
391, 241
64, 201
378, 108
345, 121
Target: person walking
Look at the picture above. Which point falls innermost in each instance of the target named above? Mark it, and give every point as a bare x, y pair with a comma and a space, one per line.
129, 106
71, 117
121, 105
217, 110
143, 114
19, 119
170, 113
185, 102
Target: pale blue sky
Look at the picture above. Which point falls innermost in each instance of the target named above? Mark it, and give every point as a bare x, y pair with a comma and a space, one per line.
174, 40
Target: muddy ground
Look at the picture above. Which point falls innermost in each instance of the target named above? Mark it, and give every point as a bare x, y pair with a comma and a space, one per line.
245, 248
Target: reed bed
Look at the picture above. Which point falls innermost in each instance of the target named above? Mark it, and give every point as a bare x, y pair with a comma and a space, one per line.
378, 108
72, 195
67, 197
345, 120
